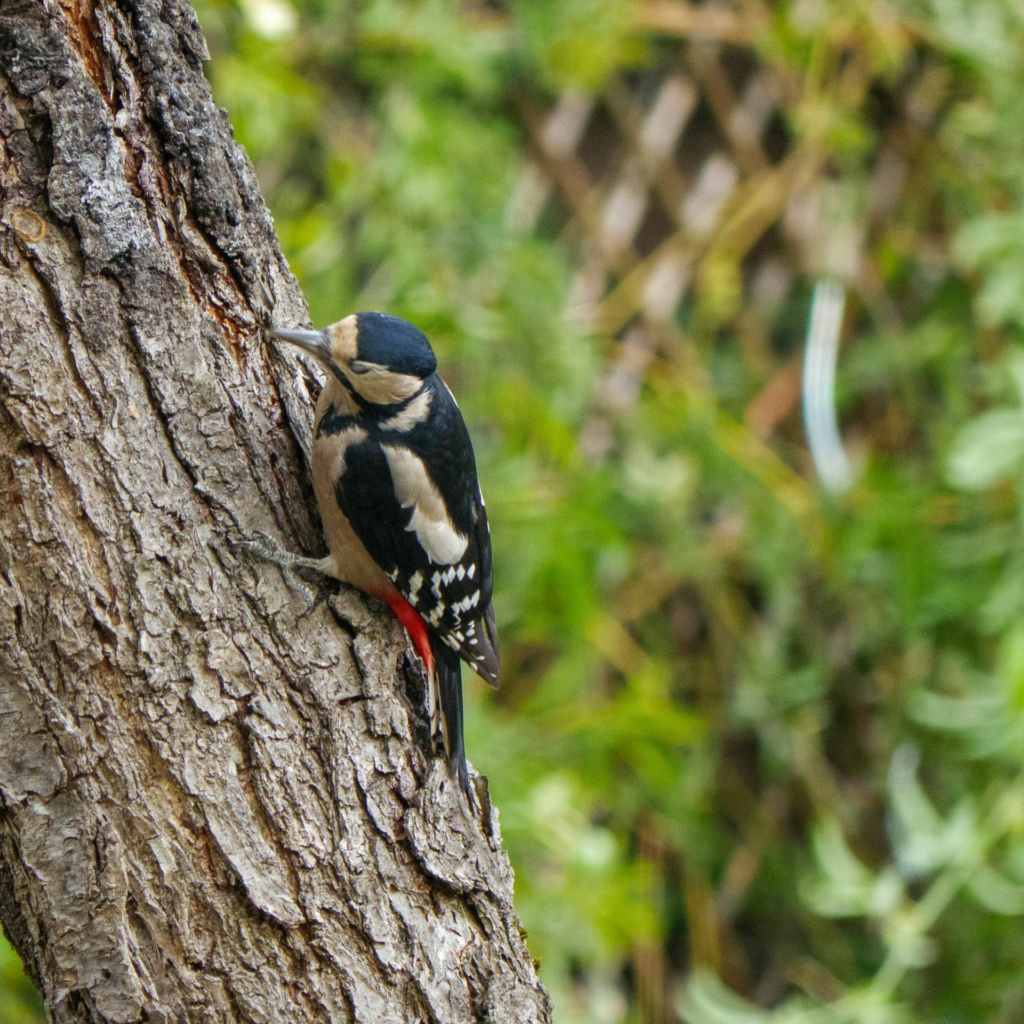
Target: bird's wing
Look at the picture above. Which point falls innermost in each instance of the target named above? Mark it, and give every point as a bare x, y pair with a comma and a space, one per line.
436, 551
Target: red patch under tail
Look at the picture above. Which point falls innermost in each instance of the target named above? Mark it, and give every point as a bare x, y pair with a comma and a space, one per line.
414, 626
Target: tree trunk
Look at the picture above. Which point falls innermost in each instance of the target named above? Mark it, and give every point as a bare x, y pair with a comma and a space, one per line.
215, 804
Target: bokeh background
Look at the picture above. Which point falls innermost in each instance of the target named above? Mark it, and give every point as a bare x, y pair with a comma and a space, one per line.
758, 752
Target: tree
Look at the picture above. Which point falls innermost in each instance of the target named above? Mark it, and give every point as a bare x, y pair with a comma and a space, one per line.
217, 803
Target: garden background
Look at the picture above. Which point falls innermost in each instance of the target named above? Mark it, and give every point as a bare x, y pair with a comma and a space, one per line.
758, 751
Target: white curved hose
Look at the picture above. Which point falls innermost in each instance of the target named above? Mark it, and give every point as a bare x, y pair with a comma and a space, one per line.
819, 386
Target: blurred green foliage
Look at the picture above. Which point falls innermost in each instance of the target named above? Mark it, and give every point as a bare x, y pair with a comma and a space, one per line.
759, 744
19, 1001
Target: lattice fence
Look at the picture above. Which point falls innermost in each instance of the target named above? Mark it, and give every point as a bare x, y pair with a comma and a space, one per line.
693, 171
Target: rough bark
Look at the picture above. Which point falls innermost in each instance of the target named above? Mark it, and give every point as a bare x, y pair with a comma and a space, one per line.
215, 804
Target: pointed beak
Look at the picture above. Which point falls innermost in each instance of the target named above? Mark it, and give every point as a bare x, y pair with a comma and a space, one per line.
316, 343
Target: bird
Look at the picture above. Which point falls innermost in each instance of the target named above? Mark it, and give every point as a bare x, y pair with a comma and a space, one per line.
395, 480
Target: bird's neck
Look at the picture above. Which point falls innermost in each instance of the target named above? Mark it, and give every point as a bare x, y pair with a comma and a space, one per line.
340, 405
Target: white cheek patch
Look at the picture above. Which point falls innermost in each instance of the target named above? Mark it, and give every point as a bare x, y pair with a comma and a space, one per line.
430, 521
381, 386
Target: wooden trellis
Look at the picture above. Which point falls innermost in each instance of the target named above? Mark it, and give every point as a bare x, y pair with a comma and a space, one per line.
665, 169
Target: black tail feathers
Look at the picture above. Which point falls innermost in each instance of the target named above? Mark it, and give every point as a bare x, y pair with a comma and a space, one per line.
447, 669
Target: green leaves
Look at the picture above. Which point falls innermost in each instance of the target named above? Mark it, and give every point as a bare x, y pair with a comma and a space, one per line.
988, 449
844, 886
991, 447
578, 43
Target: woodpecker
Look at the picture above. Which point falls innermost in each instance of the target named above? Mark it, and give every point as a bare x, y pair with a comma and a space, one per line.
396, 483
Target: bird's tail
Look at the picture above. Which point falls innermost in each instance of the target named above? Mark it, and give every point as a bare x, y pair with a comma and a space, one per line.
447, 668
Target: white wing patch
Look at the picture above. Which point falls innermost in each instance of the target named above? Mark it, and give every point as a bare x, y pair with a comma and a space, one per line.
430, 520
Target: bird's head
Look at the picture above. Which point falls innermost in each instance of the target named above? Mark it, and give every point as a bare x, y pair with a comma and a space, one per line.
382, 359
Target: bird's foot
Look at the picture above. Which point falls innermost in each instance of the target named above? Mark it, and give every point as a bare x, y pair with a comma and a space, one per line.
268, 550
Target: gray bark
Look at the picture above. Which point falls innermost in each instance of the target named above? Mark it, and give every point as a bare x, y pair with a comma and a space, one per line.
215, 805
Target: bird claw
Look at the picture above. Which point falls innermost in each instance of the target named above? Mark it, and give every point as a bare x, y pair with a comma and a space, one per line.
267, 549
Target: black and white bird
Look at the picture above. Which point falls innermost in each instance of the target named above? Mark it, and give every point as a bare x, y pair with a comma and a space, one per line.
396, 482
